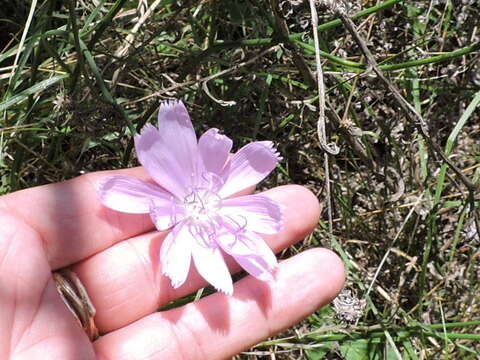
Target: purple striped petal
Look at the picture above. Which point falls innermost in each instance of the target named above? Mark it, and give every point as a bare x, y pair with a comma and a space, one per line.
131, 195
250, 165
175, 255
255, 266
160, 162
164, 216
170, 153
211, 265
214, 149
254, 212
251, 252
178, 135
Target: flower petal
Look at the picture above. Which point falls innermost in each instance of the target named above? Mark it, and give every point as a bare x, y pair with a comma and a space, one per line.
250, 165
130, 195
251, 252
255, 266
177, 133
164, 216
211, 266
170, 153
214, 149
254, 212
160, 162
175, 255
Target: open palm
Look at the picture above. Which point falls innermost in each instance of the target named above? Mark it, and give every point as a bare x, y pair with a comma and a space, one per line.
116, 256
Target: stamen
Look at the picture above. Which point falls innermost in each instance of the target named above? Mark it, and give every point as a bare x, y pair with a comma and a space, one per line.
201, 206
240, 228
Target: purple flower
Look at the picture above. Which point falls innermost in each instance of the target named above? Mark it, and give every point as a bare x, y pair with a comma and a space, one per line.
192, 199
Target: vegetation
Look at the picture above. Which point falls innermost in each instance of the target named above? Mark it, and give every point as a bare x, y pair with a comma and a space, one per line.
79, 78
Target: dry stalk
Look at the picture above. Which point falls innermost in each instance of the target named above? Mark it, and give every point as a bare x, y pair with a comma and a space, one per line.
412, 114
298, 59
329, 149
231, 69
128, 42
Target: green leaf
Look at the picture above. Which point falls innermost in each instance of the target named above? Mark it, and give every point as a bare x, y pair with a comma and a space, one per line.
360, 349
319, 353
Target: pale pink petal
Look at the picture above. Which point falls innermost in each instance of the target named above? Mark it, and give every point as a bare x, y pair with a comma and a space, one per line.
251, 252
175, 255
254, 212
130, 195
164, 216
214, 149
255, 266
250, 165
162, 163
178, 136
211, 266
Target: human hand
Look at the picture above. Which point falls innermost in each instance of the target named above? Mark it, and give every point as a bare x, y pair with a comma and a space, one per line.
116, 257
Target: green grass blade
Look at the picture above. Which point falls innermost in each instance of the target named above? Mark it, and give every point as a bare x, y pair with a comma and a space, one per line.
22, 96
451, 142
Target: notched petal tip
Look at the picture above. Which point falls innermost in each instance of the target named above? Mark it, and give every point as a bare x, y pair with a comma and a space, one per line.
216, 133
170, 104
174, 110
250, 165
272, 148
147, 137
174, 283
226, 290
214, 149
147, 128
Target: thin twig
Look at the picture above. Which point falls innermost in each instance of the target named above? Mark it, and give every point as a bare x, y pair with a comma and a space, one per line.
351, 138
412, 114
22, 40
128, 42
329, 149
234, 68
218, 101
296, 53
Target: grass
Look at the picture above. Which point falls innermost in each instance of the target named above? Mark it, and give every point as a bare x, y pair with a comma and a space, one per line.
77, 79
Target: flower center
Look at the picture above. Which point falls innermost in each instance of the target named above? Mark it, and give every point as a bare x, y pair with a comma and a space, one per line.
201, 205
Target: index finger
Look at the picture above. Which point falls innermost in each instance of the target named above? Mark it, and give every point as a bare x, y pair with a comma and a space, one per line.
71, 221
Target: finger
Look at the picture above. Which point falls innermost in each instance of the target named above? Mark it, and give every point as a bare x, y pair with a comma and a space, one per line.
34, 319
71, 221
219, 326
125, 281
